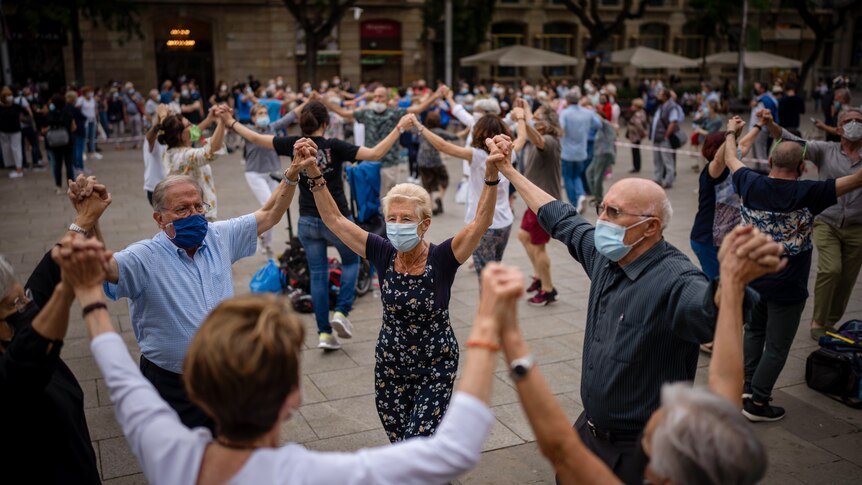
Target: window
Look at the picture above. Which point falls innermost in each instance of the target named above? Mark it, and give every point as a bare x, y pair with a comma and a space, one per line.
653, 35
559, 37
505, 34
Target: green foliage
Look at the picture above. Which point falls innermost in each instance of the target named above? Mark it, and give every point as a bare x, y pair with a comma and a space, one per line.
115, 15
470, 22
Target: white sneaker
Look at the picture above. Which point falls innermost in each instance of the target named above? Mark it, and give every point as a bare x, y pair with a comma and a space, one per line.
341, 325
328, 342
15, 175
580, 205
84, 156
96, 155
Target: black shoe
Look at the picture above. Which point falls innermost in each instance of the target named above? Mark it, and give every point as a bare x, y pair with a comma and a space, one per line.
543, 298
634, 171
764, 413
439, 203
746, 391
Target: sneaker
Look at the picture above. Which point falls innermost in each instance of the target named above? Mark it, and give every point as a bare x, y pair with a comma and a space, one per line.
59, 191
38, 167
15, 174
328, 342
535, 286
439, 207
341, 325
96, 155
543, 298
763, 413
84, 156
580, 205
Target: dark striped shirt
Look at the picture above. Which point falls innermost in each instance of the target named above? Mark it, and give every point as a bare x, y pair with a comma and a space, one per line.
644, 322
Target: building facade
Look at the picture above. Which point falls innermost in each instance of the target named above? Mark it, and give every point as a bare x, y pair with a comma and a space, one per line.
212, 40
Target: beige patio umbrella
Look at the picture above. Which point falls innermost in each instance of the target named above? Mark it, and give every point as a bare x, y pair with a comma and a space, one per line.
647, 58
754, 60
518, 56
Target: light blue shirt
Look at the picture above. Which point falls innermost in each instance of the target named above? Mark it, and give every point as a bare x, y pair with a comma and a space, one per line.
170, 294
577, 122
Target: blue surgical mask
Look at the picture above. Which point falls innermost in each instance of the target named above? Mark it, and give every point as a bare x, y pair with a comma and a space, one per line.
403, 237
610, 237
190, 231
262, 121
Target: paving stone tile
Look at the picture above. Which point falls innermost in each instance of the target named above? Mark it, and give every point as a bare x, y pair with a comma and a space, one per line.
361, 352
137, 479
788, 451
339, 384
91, 399
117, 459
310, 393
102, 423
516, 465
296, 430
351, 442
342, 417
847, 446
84, 368
809, 422
316, 360
514, 418
500, 437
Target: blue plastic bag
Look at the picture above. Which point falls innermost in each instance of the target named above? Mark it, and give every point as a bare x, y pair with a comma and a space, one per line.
267, 279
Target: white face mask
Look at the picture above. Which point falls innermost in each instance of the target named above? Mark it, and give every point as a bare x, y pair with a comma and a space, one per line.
377, 107
852, 131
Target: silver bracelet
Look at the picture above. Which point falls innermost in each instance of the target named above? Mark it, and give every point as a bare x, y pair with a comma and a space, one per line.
292, 183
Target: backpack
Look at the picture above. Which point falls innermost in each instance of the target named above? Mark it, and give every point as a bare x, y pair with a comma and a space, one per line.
835, 369
57, 136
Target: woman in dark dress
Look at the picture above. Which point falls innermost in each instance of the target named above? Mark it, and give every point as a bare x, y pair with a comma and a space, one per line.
416, 354
59, 120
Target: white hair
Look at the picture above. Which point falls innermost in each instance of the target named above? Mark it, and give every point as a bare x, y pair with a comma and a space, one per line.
487, 105
7, 277
162, 187
704, 439
663, 211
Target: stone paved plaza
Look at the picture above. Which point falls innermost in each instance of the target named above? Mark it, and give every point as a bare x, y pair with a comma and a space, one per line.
820, 440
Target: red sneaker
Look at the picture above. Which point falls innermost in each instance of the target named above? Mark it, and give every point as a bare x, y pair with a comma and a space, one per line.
535, 286
543, 298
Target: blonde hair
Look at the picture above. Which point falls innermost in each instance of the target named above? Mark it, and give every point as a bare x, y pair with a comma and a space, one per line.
409, 192
244, 362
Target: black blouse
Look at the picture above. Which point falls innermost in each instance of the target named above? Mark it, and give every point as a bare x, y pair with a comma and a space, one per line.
45, 435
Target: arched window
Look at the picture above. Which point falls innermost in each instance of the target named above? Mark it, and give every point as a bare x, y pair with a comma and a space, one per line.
559, 37
504, 34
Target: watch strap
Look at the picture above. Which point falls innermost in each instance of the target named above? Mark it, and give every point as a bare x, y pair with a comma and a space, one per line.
80, 230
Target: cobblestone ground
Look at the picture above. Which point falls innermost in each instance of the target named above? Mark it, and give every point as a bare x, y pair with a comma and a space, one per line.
818, 442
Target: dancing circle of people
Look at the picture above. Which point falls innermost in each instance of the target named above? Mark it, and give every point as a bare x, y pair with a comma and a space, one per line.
219, 374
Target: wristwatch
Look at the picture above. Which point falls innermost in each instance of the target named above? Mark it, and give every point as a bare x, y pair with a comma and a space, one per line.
287, 180
80, 230
519, 368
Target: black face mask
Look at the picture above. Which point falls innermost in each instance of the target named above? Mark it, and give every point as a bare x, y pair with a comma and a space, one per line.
24, 317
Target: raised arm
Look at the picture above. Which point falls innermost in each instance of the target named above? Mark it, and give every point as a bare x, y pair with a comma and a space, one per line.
520, 118
745, 254
557, 441
344, 113
279, 202
848, 183
153, 132
426, 103
246, 132
441, 145
467, 239
210, 119
533, 196
730, 158
346, 230
217, 140
376, 153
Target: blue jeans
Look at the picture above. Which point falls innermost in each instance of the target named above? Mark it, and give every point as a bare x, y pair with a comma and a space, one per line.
91, 136
707, 254
573, 179
78, 157
313, 234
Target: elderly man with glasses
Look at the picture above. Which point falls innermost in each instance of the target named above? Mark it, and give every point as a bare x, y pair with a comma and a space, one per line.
649, 308
173, 280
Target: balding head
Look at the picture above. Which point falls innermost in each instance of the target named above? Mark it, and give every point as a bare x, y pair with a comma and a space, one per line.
640, 196
786, 157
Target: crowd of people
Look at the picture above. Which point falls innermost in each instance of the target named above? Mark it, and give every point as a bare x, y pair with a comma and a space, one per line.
218, 374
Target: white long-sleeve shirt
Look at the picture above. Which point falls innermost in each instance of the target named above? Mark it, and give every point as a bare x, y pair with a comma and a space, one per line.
468, 120
170, 453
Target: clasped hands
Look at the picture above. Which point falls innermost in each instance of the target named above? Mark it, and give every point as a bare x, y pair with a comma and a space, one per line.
746, 254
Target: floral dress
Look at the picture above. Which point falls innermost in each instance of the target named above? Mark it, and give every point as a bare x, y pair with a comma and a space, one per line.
417, 353
194, 162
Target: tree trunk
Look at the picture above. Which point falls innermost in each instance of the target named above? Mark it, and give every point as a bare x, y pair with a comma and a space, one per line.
311, 57
591, 62
77, 44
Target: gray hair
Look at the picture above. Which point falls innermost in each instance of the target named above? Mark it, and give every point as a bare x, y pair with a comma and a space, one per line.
573, 96
7, 277
664, 211
704, 439
169, 181
846, 112
487, 105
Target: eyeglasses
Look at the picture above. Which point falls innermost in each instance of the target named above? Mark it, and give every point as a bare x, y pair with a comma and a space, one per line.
615, 212
185, 210
19, 304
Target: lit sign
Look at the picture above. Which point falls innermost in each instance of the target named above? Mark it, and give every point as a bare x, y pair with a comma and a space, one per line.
180, 31
180, 43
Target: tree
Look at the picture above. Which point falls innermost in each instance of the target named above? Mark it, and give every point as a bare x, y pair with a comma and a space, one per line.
117, 16
470, 22
822, 26
587, 12
317, 21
